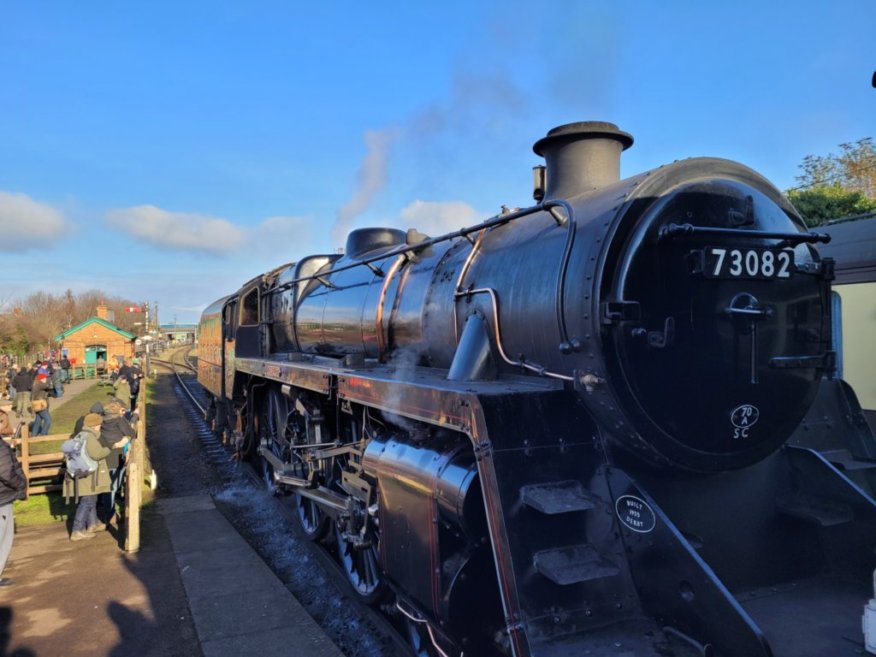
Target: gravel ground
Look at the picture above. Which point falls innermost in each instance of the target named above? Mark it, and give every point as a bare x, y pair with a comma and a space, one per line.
265, 521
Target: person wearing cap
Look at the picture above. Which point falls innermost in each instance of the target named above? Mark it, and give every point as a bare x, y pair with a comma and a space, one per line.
40, 404
87, 488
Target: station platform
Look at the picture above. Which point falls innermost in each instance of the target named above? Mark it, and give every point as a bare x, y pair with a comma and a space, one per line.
196, 587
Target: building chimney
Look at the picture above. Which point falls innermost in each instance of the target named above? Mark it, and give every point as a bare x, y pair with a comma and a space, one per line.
581, 157
102, 312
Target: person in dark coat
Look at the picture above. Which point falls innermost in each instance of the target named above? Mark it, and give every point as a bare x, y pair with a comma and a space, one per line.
87, 488
115, 433
134, 376
13, 486
40, 403
65, 368
10, 375
58, 382
23, 383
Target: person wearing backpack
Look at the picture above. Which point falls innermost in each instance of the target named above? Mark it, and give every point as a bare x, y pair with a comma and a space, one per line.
87, 485
13, 486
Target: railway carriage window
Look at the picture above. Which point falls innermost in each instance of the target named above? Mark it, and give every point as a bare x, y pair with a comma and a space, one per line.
228, 320
249, 309
836, 303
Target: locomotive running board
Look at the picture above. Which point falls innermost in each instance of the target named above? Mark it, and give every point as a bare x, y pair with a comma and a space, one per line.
540, 468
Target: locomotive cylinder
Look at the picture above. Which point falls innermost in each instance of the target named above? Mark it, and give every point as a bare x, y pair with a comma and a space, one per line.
447, 476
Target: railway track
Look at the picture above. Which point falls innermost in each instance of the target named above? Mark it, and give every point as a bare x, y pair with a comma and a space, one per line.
387, 639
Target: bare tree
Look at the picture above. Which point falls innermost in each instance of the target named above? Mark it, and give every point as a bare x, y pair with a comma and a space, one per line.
32, 323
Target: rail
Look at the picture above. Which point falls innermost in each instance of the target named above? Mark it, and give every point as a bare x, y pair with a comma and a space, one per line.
172, 365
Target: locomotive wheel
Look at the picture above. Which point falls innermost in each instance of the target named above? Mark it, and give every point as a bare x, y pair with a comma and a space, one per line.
311, 519
266, 429
267, 471
361, 567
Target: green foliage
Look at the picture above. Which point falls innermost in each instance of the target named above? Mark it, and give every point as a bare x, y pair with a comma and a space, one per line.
817, 205
14, 339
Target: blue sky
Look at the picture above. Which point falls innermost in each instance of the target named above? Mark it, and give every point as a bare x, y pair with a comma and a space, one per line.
169, 151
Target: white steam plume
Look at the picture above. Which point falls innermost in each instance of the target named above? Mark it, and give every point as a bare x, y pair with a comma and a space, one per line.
372, 178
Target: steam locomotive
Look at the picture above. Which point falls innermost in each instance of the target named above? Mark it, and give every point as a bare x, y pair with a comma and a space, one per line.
606, 424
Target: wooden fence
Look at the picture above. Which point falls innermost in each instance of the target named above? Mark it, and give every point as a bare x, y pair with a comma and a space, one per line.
45, 472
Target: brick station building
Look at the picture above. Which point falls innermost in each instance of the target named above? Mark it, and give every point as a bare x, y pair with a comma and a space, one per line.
97, 338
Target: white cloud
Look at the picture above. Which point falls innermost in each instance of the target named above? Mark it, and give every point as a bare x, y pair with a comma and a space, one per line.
275, 240
27, 224
177, 230
439, 217
287, 237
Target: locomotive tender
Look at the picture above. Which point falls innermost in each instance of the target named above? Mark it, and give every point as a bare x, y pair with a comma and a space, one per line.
578, 428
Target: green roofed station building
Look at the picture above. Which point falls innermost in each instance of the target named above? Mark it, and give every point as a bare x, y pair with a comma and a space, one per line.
94, 341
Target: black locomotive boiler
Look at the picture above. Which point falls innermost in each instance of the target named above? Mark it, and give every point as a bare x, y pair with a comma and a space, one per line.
578, 428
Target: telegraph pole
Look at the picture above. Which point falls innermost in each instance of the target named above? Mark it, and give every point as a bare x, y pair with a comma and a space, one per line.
147, 339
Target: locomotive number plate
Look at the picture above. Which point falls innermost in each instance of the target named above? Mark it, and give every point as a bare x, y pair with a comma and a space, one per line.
748, 263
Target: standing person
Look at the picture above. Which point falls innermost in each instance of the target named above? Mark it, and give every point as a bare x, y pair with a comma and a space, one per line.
13, 486
65, 368
134, 377
122, 386
6, 427
115, 433
10, 375
58, 382
23, 383
40, 403
87, 488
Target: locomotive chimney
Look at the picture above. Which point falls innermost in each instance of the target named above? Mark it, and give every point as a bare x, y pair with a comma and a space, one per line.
581, 157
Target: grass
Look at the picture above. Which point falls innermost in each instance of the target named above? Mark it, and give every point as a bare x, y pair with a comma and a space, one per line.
64, 419
47, 508
42, 509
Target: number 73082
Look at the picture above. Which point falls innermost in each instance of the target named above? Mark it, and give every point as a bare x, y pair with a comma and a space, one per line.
749, 263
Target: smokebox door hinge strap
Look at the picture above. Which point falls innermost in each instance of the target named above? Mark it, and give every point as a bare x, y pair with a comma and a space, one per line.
621, 311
